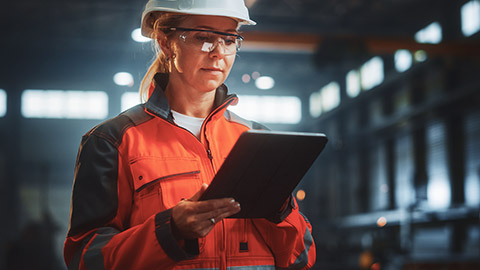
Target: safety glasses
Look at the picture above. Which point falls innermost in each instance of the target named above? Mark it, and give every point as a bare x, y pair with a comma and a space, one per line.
207, 40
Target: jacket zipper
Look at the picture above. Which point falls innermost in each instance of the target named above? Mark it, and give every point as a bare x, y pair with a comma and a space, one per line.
223, 252
223, 256
204, 129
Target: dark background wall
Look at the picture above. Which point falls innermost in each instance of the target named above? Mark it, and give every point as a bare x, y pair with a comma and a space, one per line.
398, 185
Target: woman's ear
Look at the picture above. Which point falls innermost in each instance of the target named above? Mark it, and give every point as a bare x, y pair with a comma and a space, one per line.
165, 45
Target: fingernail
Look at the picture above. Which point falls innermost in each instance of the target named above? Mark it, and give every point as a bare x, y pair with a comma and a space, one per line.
237, 205
232, 200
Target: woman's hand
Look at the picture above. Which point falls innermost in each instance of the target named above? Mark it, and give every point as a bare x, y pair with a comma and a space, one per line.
195, 219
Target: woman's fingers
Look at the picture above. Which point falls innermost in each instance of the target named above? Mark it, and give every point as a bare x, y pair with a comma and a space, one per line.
197, 195
215, 205
193, 219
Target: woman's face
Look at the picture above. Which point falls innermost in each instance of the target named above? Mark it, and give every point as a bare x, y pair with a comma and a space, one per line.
192, 67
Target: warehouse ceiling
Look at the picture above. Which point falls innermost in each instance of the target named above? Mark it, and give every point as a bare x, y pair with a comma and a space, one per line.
76, 32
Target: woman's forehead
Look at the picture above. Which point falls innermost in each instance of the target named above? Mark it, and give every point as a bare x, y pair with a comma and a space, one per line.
220, 23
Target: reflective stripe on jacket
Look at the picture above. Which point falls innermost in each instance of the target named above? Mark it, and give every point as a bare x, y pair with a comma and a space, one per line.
131, 170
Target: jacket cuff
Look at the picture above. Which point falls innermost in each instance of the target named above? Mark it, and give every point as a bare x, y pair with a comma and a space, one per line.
166, 239
283, 213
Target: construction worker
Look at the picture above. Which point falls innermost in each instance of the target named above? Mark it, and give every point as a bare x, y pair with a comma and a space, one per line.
139, 175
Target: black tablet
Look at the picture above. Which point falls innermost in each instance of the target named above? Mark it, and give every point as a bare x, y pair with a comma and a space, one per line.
263, 168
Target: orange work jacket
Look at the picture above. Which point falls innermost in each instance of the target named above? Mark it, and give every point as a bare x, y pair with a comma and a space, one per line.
132, 169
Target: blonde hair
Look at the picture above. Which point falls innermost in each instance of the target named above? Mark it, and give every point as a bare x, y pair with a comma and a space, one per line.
160, 23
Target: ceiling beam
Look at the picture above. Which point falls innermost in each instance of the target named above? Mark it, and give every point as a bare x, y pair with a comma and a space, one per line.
308, 43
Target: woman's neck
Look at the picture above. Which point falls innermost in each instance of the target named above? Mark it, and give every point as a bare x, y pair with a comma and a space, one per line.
190, 101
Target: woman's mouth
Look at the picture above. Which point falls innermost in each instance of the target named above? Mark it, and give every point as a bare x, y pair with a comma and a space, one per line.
212, 69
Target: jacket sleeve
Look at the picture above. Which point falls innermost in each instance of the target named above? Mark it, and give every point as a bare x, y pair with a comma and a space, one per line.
99, 236
290, 239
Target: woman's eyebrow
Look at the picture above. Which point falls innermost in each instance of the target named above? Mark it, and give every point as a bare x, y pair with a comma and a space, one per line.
215, 29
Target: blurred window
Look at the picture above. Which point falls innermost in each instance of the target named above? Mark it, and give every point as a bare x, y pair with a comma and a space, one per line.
438, 188
404, 186
3, 103
472, 161
372, 73
269, 109
353, 83
64, 104
470, 13
325, 99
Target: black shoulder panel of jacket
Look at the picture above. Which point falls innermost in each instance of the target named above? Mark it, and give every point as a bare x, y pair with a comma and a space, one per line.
232, 117
94, 196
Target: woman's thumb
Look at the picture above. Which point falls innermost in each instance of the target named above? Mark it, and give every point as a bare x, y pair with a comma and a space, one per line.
197, 195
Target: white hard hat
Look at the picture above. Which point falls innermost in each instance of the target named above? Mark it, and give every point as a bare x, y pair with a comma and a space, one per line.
229, 8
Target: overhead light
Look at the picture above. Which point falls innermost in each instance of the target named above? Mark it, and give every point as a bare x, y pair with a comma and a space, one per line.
403, 60
431, 34
138, 37
264, 82
420, 56
123, 79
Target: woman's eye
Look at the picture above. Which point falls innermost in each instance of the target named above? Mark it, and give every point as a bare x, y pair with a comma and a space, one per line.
203, 37
229, 41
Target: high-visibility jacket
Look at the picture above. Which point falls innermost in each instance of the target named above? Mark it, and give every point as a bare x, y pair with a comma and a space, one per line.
131, 170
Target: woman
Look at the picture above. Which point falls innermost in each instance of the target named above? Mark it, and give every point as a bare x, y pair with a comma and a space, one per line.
139, 175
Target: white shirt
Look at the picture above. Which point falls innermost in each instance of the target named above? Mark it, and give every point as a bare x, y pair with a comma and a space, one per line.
192, 124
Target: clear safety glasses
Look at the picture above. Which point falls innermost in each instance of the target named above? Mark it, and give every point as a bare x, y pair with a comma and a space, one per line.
208, 40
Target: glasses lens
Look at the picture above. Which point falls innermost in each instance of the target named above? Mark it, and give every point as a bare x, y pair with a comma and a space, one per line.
207, 41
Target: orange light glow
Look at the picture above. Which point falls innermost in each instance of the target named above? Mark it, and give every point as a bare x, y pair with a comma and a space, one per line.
381, 221
301, 195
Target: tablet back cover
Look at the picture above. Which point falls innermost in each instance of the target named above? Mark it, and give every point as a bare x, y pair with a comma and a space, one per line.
263, 168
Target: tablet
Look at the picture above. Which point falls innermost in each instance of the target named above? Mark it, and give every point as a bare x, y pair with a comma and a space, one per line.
263, 168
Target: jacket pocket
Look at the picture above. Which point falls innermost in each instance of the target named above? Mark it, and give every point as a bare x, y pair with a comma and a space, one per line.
162, 182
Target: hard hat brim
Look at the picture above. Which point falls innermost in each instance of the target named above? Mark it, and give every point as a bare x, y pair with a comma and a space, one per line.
147, 29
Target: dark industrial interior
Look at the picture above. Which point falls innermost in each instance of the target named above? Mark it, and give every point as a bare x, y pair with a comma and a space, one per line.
394, 84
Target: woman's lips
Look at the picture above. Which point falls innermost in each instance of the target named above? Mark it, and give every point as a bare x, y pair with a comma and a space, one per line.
213, 70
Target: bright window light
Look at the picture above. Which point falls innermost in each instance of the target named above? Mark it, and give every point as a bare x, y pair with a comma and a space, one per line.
316, 104
325, 99
3, 103
264, 82
438, 187
123, 79
64, 104
330, 96
403, 60
371, 73
138, 37
130, 99
353, 83
269, 109
438, 193
471, 18
430, 34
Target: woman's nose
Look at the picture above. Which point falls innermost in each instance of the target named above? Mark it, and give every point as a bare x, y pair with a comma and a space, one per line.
218, 48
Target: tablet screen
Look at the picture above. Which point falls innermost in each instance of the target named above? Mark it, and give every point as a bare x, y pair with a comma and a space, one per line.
263, 168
